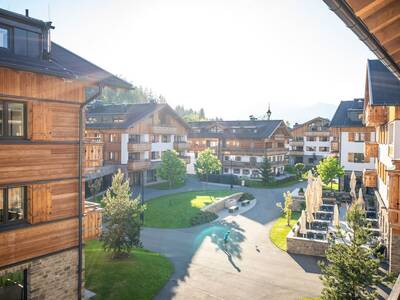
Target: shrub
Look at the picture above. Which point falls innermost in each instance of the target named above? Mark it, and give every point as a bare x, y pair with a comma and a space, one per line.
246, 196
290, 169
203, 217
301, 191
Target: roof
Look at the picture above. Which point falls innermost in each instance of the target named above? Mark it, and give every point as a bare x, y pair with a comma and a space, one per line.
341, 117
295, 126
265, 128
132, 112
384, 87
24, 19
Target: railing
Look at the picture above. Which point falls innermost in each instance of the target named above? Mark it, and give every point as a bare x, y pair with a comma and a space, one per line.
317, 133
242, 164
91, 140
137, 165
179, 146
139, 147
161, 129
254, 151
296, 152
395, 293
296, 143
375, 115
371, 150
370, 178
92, 221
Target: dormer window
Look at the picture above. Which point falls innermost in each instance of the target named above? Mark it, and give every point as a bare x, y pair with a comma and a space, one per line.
4, 37
26, 43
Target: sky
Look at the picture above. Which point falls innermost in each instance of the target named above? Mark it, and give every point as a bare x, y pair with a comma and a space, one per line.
230, 57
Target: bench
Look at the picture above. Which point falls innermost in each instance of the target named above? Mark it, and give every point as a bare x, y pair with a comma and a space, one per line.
245, 202
232, 209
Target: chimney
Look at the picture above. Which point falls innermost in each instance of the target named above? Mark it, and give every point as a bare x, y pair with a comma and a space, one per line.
26, 12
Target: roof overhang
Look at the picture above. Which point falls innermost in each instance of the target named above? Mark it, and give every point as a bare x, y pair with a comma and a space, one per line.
376, 23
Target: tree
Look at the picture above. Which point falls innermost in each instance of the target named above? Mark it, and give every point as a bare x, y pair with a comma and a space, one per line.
265, 171
172, 168
352, 269
95, 186
207, 163
202, 115
299, 169
122, 218
287, 208
329, 169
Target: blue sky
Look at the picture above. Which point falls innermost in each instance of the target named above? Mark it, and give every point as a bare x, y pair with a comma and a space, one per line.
231, 57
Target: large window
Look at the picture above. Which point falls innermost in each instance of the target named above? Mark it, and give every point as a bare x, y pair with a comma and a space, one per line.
26, 43
12, 205
356, 157
4, 37
12, 119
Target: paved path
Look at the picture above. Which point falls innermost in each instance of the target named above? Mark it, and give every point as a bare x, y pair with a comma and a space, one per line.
248, 267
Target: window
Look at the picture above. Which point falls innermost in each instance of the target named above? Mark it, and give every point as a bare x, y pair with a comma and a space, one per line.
4, 37
26, 43
238, 158
236, 171
154, 138
324, 139
134, 155
268, 145
155, 155
311, 149
12, 205
134, 139
12, 119
226, 158
356, 157
246, 171
311, 139
166, 138
118, 119
226, 170
323, 149
113, 137
14, 285
281, 145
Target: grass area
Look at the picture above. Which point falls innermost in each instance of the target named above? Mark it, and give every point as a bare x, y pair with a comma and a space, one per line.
280, 230
335, 186
165, 186
275, 184
177, 210
140, 276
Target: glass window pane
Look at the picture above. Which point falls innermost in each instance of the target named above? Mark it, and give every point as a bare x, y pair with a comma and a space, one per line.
15, 204
1, 206
33, 44
1, 119
20, 42
15, 119
3, 37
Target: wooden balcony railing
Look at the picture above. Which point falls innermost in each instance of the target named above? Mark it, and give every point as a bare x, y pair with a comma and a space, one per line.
164, 129
138, 165
296, 143
370, 178
254, 151
334, 146
92, 221
296, 152
371, 150
375, 115
139, 147
180, 146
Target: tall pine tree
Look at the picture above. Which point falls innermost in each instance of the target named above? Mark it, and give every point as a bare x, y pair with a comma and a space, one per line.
265, 171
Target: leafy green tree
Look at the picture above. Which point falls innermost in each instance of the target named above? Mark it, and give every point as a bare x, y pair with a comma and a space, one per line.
172, 168
207, 163
287, 208
95, 186
299, 167
330, 169
122, 218
352, 269
266, 171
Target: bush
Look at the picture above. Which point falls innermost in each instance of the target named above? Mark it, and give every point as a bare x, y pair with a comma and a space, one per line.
246, 196
224, 179
301, 191
203, 217
290, 169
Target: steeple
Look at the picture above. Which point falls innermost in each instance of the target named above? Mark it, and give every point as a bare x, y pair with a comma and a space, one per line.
269, 112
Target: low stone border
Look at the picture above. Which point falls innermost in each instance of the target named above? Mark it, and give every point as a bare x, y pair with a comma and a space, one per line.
300, 245
223, 203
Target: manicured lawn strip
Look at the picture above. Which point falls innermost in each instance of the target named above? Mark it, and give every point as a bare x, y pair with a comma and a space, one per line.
176, 210
165, 186
280, 230
276, 184
335, 186
138, 277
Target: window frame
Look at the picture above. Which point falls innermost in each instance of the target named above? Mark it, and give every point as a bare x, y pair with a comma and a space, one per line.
5, 132
6, 223
9, 38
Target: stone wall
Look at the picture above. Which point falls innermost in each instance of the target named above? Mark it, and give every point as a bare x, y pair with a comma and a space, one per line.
223, 203
299, 245
51, 277
394, 251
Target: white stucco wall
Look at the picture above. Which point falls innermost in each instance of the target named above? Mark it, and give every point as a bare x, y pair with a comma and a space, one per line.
124, 148
347, 147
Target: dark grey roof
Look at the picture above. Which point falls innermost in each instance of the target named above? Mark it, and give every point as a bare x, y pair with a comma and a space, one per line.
265, 128
384, 87
341, 117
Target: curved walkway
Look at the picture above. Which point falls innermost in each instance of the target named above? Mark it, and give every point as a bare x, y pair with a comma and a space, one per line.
248, 267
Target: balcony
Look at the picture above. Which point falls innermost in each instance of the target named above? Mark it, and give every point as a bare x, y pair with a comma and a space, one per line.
163, 129
334, 146
254, 151
371, 150
295, 153
375, 115
92, 221
370, 178
139, 147
180, 146
317, 133
296, 143
138, 165
240, 164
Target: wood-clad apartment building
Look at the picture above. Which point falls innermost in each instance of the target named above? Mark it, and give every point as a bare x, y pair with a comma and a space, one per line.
241, 145
42, 89
131, 137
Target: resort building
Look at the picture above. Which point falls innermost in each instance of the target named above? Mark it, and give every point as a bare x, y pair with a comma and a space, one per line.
349, 136
43, 89
241, 145
310, 142
131, 137
377, 25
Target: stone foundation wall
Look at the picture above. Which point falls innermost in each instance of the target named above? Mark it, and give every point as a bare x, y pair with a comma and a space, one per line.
394, 252
51, 277
299, 245
222, 203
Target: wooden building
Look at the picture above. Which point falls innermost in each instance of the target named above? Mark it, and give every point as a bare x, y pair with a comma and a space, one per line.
310, 142
131, 138
377, 23
241, 145
42, 90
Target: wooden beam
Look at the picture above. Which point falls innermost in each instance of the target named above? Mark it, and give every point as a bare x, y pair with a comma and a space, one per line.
384, 17
365, 8
389, 33
393, 46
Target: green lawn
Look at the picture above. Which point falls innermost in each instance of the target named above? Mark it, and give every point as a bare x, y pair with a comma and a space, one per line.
275, 184
140, 276
165, 186
335, 186
177, 210
280, 230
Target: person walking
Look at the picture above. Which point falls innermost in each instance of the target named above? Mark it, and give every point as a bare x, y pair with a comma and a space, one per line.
226, 237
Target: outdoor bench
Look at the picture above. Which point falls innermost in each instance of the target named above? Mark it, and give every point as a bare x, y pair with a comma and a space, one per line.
245, 202
233, 208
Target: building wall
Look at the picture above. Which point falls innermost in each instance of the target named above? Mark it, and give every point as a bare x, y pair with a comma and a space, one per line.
347, 147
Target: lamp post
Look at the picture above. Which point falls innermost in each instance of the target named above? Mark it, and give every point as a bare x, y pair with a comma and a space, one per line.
230, 159
142, 195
